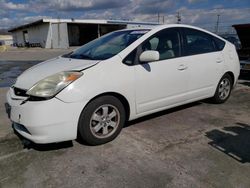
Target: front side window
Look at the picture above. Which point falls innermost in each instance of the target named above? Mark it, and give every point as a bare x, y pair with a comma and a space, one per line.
166, 42
107, 46
131, 58
197, 42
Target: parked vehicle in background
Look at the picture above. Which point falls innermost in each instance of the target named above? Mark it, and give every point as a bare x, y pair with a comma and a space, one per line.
243, 31
121, 76
245, 66
233, 38
244, 53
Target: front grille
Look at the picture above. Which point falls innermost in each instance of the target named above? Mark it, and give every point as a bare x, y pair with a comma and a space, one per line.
20, 92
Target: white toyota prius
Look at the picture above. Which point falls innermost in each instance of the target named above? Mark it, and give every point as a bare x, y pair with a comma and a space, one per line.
92, 91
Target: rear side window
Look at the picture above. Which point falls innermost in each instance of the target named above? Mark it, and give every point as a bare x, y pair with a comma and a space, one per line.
197, 42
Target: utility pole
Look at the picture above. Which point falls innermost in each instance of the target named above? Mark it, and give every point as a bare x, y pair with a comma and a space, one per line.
217, 24
178, 16
161, 18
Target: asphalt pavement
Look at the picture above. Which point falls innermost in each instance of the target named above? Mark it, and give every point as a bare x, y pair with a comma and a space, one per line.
195, 145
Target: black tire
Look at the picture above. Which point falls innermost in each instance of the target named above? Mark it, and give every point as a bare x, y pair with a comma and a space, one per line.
218, 97
87, 122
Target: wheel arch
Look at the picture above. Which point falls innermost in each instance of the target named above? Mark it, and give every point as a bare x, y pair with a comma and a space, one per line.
120, 97
231, 74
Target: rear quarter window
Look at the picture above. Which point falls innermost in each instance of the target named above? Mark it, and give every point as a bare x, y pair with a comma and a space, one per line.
220, 44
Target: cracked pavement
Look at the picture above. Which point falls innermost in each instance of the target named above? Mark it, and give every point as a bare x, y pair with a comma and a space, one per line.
196, 145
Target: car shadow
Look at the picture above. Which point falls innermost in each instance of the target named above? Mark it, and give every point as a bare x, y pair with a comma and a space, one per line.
233, 141
161, 113
146, 66
27, 144
145, 118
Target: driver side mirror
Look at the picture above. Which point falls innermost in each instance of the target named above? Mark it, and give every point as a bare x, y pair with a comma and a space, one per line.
149, 56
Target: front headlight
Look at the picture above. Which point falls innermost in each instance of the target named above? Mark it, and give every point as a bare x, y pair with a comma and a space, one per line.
52, 85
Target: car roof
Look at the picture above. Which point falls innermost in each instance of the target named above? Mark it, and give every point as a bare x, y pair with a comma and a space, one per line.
165, 26
156, 29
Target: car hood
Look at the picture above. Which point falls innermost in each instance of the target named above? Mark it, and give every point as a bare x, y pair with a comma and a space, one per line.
42, 70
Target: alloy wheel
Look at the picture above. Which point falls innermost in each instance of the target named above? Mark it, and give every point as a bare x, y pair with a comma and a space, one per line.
104, 121
224, 88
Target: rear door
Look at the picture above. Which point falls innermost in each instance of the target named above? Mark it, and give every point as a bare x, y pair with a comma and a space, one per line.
205, 63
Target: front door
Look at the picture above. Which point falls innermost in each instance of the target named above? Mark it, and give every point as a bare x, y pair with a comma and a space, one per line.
162, 83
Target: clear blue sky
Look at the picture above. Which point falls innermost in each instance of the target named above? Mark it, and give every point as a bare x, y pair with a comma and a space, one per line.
196, 12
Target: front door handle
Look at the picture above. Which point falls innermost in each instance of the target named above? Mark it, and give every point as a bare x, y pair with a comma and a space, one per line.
182, 67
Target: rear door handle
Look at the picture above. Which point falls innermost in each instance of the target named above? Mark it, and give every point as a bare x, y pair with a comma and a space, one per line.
182, 67
219, 60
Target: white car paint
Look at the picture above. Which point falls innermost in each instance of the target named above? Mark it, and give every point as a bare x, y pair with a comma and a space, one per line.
147, 88
41, 70
153, 91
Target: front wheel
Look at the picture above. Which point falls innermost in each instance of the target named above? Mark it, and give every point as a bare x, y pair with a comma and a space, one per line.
223, 90
101, 120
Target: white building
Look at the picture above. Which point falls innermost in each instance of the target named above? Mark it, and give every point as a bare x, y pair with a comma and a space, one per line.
6, 40
63, 33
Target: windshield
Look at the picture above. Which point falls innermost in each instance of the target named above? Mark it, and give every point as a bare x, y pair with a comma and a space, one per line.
107, 46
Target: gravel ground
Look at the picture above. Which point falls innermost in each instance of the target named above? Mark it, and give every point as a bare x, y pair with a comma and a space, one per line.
197, 145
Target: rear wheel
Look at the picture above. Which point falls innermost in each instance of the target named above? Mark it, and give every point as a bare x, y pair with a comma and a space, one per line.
223, 90
101, 120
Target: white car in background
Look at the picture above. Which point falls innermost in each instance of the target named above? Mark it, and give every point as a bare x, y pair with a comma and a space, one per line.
121, 76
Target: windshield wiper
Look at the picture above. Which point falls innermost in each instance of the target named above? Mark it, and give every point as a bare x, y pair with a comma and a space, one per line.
67, 55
